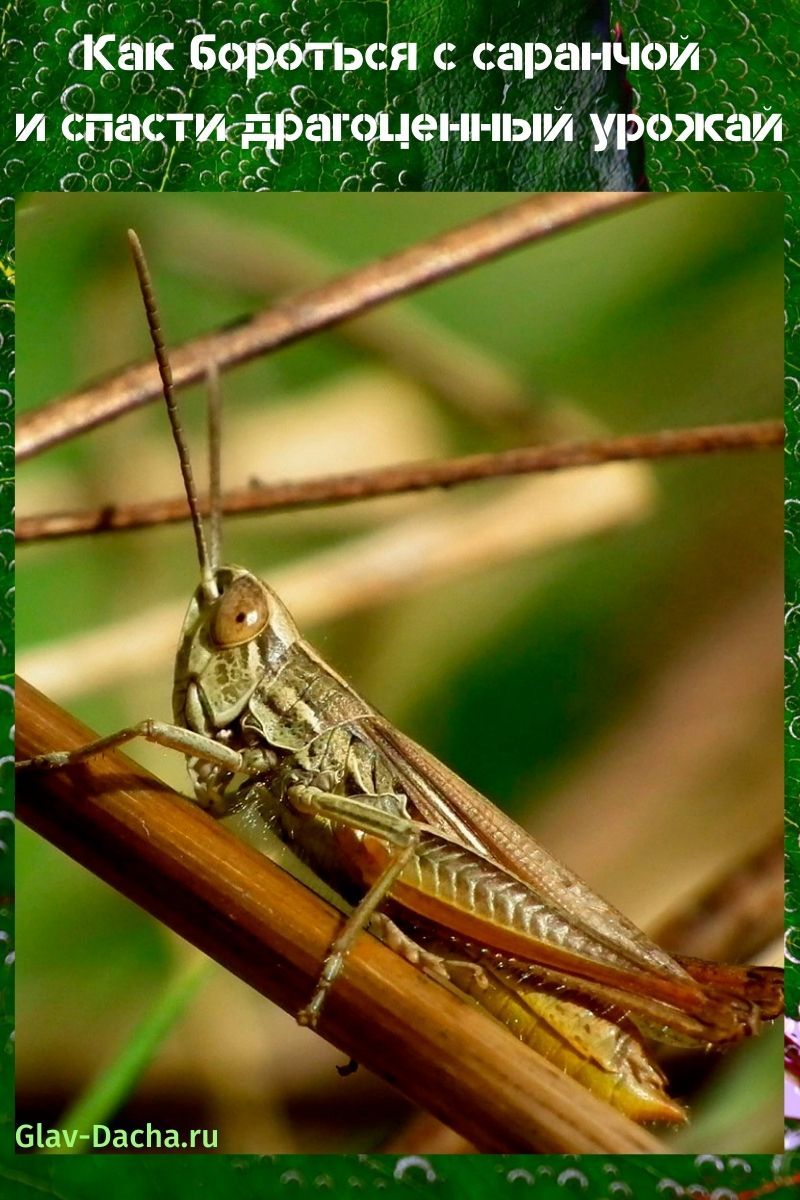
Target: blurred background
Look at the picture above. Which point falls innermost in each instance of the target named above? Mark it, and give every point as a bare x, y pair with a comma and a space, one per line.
599, 651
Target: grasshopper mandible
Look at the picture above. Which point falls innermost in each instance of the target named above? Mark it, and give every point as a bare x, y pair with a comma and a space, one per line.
428, 864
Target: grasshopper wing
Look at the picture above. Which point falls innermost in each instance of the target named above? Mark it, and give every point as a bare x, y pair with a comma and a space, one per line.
447, 803
480, 877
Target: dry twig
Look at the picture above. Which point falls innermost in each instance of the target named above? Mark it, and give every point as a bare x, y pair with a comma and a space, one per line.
462, 375
259, 922
412, 477
530, 516
348, 296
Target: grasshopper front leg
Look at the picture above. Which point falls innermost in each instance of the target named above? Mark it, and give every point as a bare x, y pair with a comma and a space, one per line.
364, 815
173, 737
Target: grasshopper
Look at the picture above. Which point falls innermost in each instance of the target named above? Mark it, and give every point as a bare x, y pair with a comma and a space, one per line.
428, 864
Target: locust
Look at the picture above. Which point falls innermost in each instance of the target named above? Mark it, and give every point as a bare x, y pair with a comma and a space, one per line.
428, 864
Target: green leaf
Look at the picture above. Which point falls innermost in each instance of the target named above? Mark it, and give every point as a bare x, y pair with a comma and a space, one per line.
747, 64
6, 668
109, 1090
41, 45
553, 1177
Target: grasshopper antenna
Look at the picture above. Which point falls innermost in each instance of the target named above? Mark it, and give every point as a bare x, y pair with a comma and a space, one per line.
165, 371
214, 464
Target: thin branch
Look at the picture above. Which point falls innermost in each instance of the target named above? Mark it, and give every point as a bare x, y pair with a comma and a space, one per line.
531, 516
412, 477
266, 927
464, 376
348, 296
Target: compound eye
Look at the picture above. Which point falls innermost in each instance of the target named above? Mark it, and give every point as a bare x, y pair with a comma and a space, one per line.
241, 614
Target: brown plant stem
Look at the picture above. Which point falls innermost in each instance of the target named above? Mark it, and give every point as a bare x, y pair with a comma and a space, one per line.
413, 477
348, 296
237, 906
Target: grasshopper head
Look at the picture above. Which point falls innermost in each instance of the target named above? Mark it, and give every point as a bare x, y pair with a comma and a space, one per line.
229, 644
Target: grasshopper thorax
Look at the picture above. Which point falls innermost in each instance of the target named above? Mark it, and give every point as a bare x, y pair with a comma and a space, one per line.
230, 643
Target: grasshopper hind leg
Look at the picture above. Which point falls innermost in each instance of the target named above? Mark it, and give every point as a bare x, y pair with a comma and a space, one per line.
358, 919
381, 816
440, 966
436, 965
